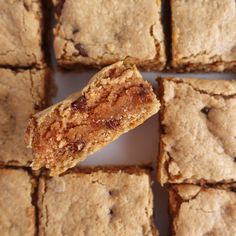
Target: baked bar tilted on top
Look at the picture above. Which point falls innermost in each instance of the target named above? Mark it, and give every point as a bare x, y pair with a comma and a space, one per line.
21, 33
97, 202
102, 32
22, 93
115, 101
17, 214
203, 35
198, 143
203, 211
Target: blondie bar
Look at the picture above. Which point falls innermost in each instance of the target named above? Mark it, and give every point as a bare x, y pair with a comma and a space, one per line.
97, 202
99, 33
116, 100
203, 211
17, 214
22, 93
198, 141
21, 33
203, 35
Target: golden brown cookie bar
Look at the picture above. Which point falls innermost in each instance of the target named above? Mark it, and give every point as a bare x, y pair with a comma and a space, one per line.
203, 211
116, 100
17, 214
198, 141
21, 33
22, 93
103, 201
98, 33
203, 35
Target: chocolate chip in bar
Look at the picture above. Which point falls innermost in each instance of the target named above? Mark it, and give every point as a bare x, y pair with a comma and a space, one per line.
81, 50
205, 110
79, 104
76, 146
112, 123
59, 7
75, 31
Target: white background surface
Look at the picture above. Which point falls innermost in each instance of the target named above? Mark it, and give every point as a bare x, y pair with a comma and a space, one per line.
138, 146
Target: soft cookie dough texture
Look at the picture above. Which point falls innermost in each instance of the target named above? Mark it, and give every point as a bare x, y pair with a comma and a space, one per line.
204, 35
198, 143
22, 93
116, 100
203, 211
102, 32
103, 202
17, 214
21, 33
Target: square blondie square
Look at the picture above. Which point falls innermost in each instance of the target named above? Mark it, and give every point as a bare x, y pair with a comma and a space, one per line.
21, 33
107, 201
199, 210
22, 93
17, 214
198, 141
99, 33
203, 35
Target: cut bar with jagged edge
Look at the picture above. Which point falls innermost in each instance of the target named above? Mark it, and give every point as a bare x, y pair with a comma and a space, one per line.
116, 100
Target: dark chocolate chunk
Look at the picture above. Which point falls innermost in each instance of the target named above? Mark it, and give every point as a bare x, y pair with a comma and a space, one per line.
205, 110
26, 6
234, 159
76, 146
79, 104
233, 189
75, 31
81, 49
142, 91
59, 7
110, 211
114, 73
112, 123
163, 128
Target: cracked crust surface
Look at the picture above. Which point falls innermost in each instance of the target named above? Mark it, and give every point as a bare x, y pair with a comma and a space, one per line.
21, 95
198, 143
17, 214
203, 211
204, 35
115, 101
102, 202
21, 33
102, 32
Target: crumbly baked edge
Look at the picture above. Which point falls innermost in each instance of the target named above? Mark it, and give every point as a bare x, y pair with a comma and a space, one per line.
33, 122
